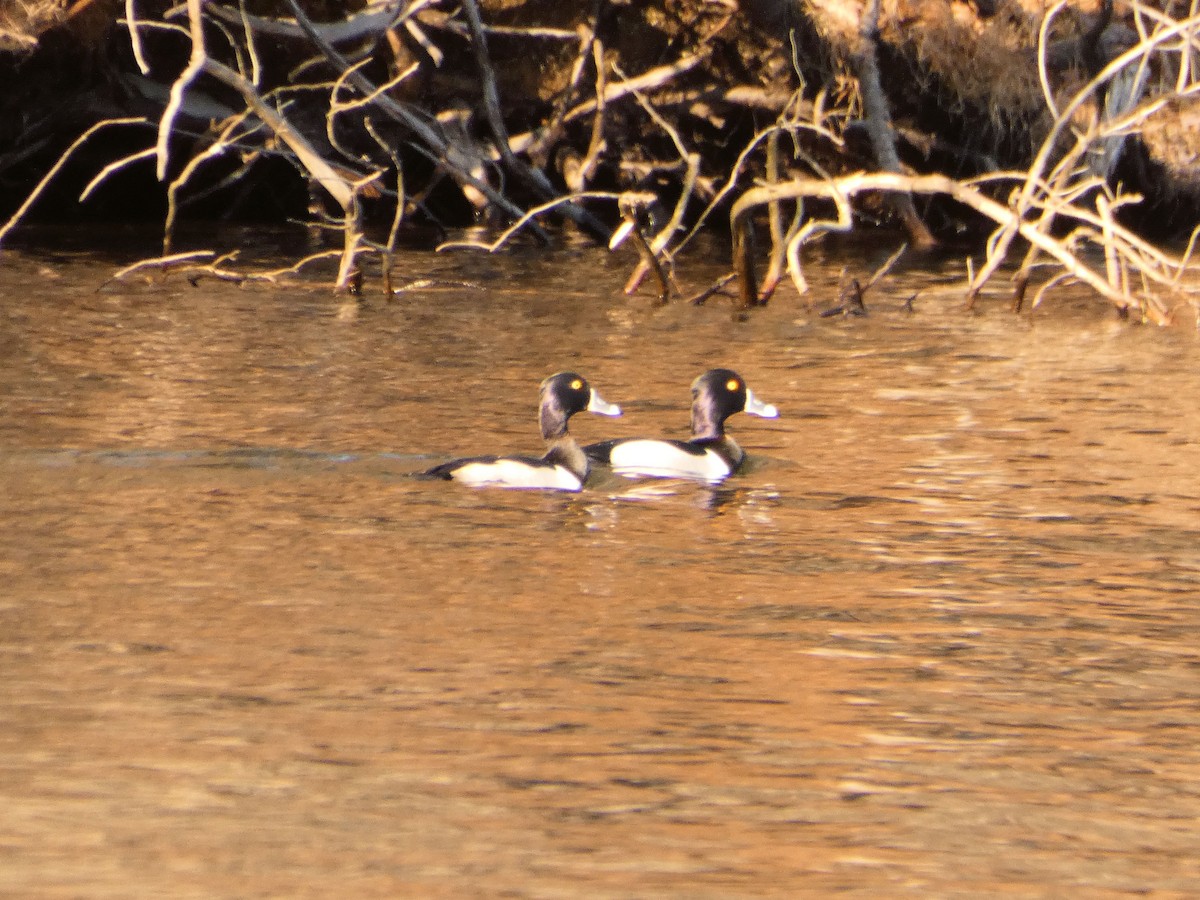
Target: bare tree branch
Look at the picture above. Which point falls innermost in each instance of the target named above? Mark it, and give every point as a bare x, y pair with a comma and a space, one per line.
41, 186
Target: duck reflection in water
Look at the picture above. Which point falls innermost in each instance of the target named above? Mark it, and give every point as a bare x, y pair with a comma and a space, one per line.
564, 466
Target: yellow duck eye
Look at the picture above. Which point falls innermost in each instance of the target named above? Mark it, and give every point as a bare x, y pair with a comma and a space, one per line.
733, 384
576, 384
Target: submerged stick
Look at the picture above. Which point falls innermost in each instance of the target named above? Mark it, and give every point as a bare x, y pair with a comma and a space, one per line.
634, 207
885, 268
188, 265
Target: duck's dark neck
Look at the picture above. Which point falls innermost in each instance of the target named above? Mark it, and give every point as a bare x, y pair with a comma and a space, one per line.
733, 454
553, 421
563, 451
706, 425
566, 453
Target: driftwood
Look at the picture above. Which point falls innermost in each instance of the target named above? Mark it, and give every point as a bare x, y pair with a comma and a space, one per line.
386, 110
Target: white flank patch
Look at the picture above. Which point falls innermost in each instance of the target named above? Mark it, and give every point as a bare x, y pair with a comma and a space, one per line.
513, 473
659, 459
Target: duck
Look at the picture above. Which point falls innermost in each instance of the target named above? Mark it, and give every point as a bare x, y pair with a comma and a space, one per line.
564, 466
710, 455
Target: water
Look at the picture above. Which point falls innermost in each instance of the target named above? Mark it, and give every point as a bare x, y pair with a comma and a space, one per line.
938, 640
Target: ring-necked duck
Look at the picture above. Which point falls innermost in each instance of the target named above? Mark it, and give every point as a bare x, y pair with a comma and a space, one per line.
710, 455
564, 467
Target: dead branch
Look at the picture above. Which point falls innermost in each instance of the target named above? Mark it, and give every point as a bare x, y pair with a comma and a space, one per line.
41, 186
187, 265
884, 268
635, 209
717, 287
190, 73
1074, 222
217, 148
1047, 199
596, 144
1036, 179
535, 179
523, 221
850, 299
651, 250
552, 131
371, 23
646, 82
112, 167
341, 189
135, 40
879, 123
432, 144
841, 190
424, 284
816, 125
162, 263
761, 294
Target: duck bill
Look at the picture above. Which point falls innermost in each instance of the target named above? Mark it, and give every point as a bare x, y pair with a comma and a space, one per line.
756, 407
598, 404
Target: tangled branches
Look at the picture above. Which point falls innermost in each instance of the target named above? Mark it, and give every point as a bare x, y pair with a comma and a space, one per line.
1061, 206
391, 110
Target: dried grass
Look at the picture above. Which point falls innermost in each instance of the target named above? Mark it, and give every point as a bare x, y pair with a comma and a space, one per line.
976, 61
23, 21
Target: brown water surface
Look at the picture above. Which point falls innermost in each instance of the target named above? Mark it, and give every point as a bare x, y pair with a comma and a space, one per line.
940, 639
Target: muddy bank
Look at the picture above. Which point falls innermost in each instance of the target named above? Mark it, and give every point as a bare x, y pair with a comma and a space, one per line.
396, 116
